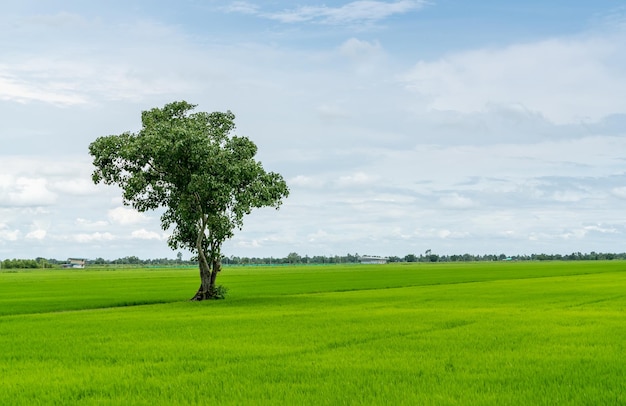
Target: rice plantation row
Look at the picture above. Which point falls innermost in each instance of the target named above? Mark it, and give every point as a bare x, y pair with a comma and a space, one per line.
539, 333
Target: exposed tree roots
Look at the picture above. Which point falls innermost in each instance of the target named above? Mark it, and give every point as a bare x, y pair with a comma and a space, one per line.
213, 293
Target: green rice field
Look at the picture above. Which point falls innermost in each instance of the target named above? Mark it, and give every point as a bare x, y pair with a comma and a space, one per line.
506, 333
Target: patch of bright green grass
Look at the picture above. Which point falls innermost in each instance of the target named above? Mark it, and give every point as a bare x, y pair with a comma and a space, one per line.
59, 290
532, 333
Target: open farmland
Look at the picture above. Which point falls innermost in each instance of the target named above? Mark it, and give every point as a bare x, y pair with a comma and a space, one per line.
477, 333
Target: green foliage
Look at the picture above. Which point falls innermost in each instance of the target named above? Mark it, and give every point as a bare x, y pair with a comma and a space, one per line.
188, 163
218, 292
430, 333
25, 263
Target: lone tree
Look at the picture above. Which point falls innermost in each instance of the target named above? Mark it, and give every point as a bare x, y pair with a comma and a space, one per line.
189, 164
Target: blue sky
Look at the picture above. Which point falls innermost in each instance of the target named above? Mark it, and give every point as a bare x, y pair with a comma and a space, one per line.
400, 126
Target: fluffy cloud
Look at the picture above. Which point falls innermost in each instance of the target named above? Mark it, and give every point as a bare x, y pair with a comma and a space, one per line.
125, 216
306, 182
7, 234
143, 234
25, 191
81, 222
355, 48
93, 237
38, 234
21, 91
567, 80
456, 201
63, 80
77, 186
357, 179
619, 192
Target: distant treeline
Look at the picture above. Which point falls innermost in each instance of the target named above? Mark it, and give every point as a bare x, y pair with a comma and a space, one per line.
56, 263
294, 258
27, 263
575, 256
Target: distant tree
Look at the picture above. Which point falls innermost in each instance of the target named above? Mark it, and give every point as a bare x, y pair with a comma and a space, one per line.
293, 258
410, 258
43, 262
206, 179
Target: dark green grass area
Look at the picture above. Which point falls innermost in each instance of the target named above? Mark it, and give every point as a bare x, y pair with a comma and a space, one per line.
484, 333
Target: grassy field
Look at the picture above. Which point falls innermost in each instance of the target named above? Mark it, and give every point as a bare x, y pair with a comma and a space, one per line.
428, 334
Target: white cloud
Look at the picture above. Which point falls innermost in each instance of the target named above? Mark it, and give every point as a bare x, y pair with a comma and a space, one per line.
506, 164
567, 80
368, 60
126, 216
355, 48
456, 201
452, 234
143, 234
93, 237
37, 234
619, 192
578, 233
356, 11
438, 233
306, 182
245, 243
7, 234
75, 187
569, 196
330, 112
356, 179
81, 222
319, 235
60, 19
83, 79
602, 229
242, 7
25, 191
22, 91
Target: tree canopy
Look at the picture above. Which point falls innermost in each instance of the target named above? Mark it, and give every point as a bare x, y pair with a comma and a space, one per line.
191, 165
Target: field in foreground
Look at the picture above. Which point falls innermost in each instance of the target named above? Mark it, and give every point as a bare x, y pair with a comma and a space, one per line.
478, 333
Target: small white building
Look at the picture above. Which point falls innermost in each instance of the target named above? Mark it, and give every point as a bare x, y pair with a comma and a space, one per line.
75, 263
372, 259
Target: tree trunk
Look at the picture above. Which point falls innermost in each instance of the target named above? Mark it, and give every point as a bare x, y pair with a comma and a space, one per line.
208, 274
208, 269
215, 269
204, 291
